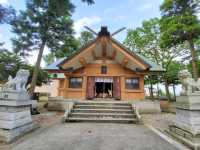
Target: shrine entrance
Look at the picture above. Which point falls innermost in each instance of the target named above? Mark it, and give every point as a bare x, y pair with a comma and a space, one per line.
103, 87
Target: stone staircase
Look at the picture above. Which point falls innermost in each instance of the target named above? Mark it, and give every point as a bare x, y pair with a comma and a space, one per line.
108, 112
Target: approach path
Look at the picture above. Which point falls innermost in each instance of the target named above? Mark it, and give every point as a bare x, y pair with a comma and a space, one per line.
93, 136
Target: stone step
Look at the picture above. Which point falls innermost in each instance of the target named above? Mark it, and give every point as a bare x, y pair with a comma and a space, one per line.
102, 120
121, 111
102, 107
102, 115
103, 103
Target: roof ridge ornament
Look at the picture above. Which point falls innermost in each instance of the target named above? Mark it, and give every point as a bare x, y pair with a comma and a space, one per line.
104, 31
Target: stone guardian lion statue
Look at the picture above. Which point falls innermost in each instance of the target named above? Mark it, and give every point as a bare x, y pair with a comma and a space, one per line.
189, 85
19, 82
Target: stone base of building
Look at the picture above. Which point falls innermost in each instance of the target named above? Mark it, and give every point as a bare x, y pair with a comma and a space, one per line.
8, 135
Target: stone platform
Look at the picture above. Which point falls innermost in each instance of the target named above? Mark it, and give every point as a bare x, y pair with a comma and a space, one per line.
15, 115
186, 127
10, 135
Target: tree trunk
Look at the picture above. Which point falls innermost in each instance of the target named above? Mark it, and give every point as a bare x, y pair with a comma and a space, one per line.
151, 88
174, 91
158, 94
36, 69
167, 91
194, 59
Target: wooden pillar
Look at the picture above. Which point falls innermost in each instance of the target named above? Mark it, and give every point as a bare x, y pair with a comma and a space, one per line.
59, 88
122, 78
84, 86
66, 84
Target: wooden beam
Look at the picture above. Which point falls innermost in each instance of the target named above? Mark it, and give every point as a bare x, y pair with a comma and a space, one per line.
114, 53
103, 46
82, 61
124, 61
94, 55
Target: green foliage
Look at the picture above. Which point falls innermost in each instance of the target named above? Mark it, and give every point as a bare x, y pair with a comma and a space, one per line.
42, 23
171, 74
10, 63
89, 1
189, 66
42, 75
145, 40
179, 21
70, 46
85, 37
6, 14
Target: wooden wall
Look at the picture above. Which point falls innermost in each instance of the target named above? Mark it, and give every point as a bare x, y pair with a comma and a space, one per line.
95, 70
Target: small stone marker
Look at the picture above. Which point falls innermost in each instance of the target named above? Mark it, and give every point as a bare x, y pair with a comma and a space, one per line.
186, 127
15, 103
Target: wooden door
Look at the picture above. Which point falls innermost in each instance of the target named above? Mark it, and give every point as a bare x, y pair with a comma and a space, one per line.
90, 88
116, 88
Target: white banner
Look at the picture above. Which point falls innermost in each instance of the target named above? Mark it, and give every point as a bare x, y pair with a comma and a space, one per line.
106, 80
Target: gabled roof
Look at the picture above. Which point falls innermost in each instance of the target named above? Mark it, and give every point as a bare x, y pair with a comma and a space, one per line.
149, 65
153, 66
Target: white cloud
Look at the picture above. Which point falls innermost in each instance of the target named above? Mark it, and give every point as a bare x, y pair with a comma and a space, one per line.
145, 7
85, 21
3, 1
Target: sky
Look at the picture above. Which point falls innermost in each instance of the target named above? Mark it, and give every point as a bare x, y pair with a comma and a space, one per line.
114, 14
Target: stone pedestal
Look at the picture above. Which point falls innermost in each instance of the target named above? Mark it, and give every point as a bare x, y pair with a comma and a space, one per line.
186, 127
15, 115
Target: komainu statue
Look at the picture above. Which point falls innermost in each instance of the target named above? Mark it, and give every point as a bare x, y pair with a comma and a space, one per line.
19, 82
189, 85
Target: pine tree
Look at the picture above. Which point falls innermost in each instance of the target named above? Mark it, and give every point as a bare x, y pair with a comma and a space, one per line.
44, 23
6, 14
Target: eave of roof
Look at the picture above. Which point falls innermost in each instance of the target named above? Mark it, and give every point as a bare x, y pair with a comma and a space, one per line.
79, 51
130, 52
54, 66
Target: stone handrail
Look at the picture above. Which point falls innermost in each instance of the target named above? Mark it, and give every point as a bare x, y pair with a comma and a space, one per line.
69, 106
136, 112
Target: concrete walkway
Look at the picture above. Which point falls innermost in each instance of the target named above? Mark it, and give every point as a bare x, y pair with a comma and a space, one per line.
92, 136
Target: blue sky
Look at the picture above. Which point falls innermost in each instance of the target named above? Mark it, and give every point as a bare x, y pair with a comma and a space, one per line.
112, 13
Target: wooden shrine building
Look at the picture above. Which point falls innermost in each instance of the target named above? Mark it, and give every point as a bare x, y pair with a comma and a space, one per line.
104, 68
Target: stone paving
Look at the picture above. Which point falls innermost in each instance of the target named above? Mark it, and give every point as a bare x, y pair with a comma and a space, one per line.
92, 136
54, 135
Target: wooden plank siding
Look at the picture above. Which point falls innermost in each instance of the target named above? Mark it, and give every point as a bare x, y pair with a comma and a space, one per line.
94, 69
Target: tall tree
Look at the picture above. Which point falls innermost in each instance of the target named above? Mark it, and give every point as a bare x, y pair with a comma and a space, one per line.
44, 23
179, 23
145, 40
